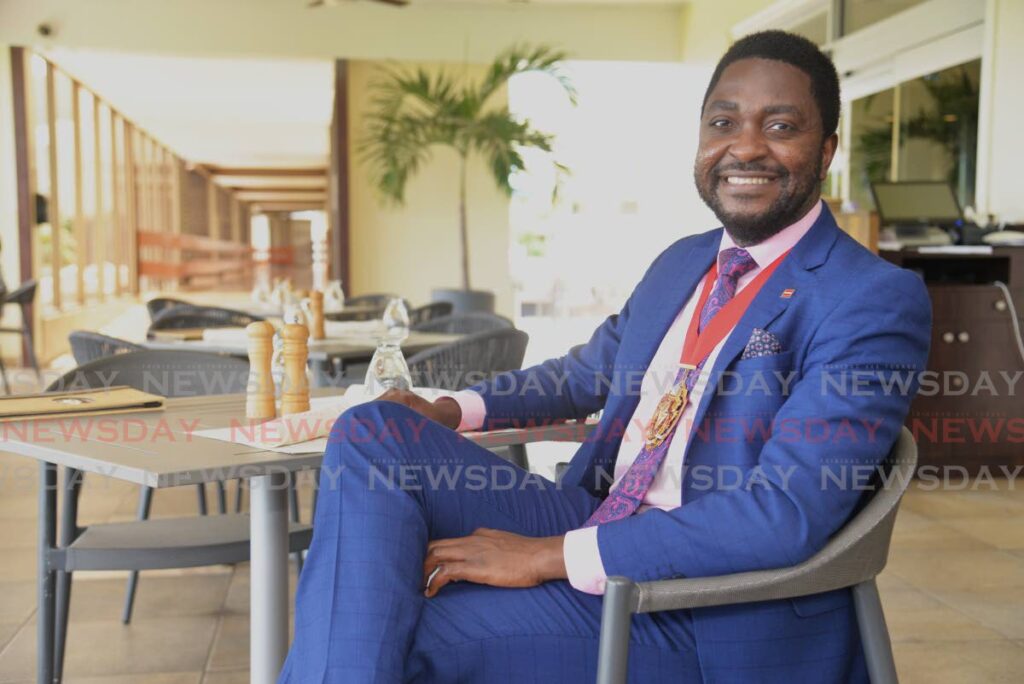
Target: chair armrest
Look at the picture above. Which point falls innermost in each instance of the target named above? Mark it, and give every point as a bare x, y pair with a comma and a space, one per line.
572, 431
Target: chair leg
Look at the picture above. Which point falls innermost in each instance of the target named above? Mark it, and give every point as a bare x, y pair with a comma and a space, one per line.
201, 497
616, 616
145, 503
239, 489
222, 498
874, 635
316, 492
3, 374
26, 331
68, 533
46, 575
517, 454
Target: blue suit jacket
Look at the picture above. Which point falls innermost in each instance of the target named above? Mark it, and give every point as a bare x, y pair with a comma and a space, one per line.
764, 483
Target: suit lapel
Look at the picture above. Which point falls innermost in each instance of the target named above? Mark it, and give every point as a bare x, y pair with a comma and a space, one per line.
672, 287
808, 254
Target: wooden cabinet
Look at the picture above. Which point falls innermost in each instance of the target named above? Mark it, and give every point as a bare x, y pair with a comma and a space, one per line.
970, 411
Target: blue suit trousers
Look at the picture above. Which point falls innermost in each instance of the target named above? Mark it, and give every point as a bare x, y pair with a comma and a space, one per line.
391, 481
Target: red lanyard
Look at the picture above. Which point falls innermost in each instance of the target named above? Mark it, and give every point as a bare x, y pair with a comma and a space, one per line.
697, 347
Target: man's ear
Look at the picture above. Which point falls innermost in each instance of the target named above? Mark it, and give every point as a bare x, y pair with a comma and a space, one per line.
828, 152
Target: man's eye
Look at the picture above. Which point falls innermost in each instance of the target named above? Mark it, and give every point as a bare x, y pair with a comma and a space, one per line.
719, 123
780, 126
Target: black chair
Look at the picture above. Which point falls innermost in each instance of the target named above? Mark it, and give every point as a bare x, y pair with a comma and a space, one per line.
469, 360
22, 297
377, 300
465, 323
159, 304
88, 346
181, 316
429, 312
223, 540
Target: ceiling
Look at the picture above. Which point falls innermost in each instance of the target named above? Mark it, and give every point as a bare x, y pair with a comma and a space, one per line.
217, 111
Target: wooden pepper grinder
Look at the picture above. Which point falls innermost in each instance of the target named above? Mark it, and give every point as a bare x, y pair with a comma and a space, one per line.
316, 310
259, 400
295, 392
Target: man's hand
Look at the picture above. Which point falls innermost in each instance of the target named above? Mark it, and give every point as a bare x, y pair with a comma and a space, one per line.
445, 411
500, 559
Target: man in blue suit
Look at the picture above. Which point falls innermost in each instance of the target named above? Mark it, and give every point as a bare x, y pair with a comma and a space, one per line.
746, 384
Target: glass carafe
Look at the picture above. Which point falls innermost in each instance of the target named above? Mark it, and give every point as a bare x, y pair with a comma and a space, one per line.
388, 369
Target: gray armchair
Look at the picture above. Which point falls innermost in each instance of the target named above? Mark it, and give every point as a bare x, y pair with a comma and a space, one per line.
852, 558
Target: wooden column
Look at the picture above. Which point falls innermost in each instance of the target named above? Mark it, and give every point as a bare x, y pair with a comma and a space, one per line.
101, 231
81, 253
24, 168
131, 226
338, 177
118, 199
53, 211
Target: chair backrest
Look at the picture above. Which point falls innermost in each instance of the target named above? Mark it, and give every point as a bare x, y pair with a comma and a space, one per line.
182, 316
88, 346
465, 362
169, 373
428, 312
158, 304
24, 294
855, 554
377, 299
465, 323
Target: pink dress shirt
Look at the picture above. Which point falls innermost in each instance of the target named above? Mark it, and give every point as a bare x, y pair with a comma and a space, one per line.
582, 557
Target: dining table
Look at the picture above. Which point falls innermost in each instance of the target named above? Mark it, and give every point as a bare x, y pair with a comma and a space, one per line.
346, 343
160, 461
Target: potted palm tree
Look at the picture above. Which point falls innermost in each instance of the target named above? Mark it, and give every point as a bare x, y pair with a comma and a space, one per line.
414, 111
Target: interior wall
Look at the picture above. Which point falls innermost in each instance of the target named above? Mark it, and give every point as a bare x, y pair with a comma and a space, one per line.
356, 30
705, 27
410, 249
1001, 142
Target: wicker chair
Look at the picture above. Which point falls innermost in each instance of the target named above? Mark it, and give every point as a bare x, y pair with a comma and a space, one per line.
376, 300
160, 304
183, 316
188, 542
170, 374
464, 324
852, 558
429, 312
88, 346
469, 360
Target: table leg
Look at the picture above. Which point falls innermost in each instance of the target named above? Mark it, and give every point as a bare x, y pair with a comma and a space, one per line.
268, 621
47, 577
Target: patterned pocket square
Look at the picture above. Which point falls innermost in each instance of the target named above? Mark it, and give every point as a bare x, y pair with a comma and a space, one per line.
761, 343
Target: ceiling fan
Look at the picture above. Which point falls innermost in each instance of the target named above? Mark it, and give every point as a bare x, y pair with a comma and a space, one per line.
314, 4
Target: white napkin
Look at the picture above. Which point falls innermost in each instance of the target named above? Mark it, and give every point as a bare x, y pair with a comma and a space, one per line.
226, 336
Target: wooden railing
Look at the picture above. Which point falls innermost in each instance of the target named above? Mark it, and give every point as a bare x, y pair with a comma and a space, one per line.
187, 259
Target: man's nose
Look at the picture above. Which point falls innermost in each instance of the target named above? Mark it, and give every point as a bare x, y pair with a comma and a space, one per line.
749, 145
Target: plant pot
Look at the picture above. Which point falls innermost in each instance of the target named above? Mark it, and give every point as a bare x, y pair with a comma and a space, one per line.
465, 301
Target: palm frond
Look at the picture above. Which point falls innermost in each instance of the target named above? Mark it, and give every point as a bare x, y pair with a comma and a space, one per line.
521, 59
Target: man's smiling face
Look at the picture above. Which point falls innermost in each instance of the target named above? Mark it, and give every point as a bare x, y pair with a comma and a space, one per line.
762, 153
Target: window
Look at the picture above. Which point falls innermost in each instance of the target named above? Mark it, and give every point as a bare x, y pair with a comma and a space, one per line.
935, 137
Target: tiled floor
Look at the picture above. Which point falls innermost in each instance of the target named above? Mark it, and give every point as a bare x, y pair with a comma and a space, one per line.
953, 593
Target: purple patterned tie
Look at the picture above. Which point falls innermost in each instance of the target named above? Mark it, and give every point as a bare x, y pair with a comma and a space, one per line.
623, 501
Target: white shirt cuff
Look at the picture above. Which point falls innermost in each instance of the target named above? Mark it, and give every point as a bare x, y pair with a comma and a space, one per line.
583, 561
474, 411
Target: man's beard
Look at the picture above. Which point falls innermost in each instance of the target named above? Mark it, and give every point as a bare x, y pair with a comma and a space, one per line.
795, 193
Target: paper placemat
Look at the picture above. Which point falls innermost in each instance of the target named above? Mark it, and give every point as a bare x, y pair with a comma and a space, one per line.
306, 432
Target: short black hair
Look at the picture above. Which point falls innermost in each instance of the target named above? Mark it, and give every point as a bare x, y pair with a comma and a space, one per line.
797, 51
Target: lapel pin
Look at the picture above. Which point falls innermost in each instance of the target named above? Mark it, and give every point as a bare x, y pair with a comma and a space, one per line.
787, 293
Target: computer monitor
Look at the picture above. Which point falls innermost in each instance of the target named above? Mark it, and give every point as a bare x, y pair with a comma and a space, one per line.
916, 203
